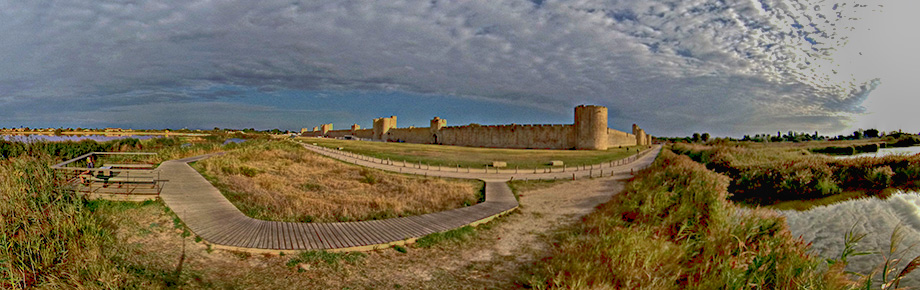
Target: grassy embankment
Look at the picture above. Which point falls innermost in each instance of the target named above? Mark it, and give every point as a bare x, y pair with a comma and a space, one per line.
283, 181
54, 239
452, 156
791, 177
674, 228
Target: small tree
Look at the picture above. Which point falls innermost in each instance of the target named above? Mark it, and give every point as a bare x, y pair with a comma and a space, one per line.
705, 137
696, 137
871, 133
857, 135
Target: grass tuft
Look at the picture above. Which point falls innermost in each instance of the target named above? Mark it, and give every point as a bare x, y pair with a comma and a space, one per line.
452, 236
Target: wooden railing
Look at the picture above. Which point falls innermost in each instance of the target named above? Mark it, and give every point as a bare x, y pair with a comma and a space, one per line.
117, 178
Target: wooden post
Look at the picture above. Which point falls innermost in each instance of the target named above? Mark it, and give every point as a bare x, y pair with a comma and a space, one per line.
573, 176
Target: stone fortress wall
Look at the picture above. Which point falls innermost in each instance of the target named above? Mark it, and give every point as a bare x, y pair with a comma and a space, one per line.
589, 132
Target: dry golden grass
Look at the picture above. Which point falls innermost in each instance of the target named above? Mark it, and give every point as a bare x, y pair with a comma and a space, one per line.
284, 182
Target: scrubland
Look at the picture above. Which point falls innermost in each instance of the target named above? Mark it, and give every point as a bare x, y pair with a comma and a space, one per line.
282, 181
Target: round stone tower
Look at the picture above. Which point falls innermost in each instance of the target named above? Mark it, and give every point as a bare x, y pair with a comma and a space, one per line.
590, 128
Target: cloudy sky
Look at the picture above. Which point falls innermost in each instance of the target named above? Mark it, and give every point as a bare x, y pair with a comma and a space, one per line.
730, 67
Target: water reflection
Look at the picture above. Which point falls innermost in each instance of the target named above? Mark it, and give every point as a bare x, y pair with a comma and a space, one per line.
885, 152
825, 227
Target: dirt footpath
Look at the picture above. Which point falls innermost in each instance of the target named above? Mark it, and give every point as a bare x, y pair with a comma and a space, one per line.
544, 210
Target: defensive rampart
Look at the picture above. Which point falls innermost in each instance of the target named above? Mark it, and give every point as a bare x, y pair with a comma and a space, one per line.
509, 136
589, 132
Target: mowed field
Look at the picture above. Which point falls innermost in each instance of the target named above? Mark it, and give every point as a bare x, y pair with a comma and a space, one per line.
453, 156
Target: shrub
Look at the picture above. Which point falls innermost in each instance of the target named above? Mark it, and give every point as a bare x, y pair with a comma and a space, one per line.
880, 176
834, 150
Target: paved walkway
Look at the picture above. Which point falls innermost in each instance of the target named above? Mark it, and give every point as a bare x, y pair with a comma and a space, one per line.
212, 217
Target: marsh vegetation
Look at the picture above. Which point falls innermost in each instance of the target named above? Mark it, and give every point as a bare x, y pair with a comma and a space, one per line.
766, 175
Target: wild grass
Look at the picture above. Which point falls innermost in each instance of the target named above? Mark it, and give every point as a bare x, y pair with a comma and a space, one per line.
455, 236
330, 259
54, 239
518, 186
282, 181
453, 156
673, 228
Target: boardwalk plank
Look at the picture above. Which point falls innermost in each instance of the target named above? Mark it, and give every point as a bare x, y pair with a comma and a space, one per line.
345, 240
289, 237
360, 238
297, 236
310, 238
324, 236
239, 237
260, 236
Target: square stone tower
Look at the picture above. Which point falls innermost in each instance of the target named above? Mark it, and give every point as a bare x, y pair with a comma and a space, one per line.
382, 126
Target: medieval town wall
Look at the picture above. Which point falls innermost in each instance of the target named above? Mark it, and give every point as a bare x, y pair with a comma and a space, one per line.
410, 135
337, 133
509, 136
616, 138
364, 133
589, 132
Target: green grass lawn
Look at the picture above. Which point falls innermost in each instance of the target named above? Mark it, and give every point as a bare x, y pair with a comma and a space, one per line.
451, 156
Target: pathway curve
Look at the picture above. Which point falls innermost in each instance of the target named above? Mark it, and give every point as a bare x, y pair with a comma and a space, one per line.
212, 217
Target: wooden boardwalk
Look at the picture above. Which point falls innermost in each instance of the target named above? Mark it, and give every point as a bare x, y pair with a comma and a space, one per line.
211, 216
